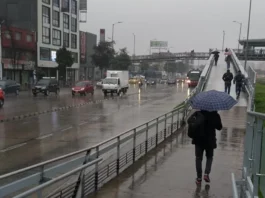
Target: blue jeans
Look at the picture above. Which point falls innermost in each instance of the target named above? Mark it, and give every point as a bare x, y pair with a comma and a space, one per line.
238, 88
228, 65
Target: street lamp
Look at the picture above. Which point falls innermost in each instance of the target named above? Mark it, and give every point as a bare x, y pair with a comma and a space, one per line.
246, 48
223, 40
133, 44
1, 66
113, 29
239, 33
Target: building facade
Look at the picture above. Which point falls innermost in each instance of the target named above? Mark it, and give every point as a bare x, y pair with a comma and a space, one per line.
55, 23
18, 52
87, 43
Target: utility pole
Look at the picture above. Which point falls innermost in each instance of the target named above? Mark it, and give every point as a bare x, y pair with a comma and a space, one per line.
239, 33
133, 44
246, 48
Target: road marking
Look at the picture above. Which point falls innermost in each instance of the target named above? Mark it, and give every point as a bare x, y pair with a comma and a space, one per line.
13, 147
83, 123
44, 136
67, 128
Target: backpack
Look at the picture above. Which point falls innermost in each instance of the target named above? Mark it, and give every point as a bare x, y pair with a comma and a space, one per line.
196, 123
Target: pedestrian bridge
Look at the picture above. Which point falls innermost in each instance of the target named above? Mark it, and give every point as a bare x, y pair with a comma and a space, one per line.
171, 57
156, 159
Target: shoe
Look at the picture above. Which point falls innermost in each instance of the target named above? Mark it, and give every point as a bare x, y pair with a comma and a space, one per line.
198, 181
206, 178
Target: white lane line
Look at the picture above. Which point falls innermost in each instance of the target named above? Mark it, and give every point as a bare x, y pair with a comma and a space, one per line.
66, 128
44, 136
13, 147
83, 123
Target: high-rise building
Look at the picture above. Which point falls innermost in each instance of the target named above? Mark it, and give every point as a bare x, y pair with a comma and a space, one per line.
55, 24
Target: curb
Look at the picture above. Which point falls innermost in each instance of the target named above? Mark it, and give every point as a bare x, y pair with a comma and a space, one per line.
32, 114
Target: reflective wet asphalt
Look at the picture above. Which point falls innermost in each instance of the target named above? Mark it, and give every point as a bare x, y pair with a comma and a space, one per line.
35, 139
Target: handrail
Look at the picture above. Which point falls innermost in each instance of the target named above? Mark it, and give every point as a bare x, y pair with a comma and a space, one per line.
61, 177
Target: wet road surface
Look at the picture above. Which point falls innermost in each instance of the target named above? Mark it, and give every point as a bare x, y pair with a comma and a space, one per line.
43, 137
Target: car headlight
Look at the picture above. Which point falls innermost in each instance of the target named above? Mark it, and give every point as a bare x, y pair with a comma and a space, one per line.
73, 89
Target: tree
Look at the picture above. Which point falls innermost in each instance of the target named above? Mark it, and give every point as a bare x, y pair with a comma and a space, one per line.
103, 55
64, 59
121, 61
170, 67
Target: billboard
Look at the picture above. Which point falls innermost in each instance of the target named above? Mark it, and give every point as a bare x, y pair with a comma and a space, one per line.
82, 11
102, 35
82, 47
158, 44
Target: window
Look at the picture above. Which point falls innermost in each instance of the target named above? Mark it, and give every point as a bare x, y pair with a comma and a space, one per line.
73, 41
7, 35
56, 3
29, 38
45, 35
73, 24
75, 56
56, 18
46, 1
18, 36
66, 21
56, 37
45, 15
66, 39
45, 54
65, 5
74, 7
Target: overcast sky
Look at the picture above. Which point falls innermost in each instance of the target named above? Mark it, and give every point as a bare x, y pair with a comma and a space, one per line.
185, 24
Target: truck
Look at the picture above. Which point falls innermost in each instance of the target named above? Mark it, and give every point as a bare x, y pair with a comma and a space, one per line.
115, 82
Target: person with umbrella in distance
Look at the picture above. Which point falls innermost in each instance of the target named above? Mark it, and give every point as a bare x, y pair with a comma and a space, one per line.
202, 125
227, 78
216, 56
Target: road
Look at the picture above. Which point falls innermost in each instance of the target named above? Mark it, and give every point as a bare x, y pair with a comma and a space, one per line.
35, 139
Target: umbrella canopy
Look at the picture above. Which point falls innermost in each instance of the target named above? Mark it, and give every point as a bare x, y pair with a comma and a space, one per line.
215, 52
228, 53
212, 101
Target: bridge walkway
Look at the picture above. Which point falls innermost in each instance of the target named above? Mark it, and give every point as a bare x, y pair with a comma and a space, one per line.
169, 171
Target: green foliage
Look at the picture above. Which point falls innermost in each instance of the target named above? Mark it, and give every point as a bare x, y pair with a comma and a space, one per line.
64, 58
39, 73
173, 67
122, 60
144, 66
259, 97
103, 55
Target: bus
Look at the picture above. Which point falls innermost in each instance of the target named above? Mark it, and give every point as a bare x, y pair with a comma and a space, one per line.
193, 77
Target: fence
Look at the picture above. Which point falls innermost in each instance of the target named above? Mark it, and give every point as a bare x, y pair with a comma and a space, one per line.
253, 178
82, 172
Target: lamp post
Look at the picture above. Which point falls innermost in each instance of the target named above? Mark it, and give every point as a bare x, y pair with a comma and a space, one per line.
239, 33
1, 65
133, 44
113, 30
223, 40
246, 48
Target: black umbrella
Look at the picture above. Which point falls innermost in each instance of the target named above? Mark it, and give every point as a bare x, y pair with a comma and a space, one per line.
215, 52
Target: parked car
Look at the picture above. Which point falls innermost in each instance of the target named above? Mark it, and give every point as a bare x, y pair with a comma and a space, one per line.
171, 81
46, 86
82, 88
10, 86
2, 98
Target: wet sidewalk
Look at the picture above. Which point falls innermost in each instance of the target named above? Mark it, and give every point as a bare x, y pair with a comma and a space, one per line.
169, 171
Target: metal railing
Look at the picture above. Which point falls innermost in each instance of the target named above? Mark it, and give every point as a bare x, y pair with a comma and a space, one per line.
47, 179
253, 180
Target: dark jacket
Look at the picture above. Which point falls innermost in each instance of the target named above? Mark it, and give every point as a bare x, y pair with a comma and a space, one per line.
212, 122
216, 56
239, 78
228, 58
228, 77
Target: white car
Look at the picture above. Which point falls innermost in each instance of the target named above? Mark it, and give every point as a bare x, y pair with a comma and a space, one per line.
99, 84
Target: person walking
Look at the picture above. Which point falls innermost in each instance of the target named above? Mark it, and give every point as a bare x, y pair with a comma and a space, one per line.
216, 57
228, 60
226, 50
205, 142
238, 80
227, 78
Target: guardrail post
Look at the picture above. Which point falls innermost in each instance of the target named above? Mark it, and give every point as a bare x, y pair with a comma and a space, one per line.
134, 144
165, 129
172, 121
118, 156
146, 138
157, 120
178, 120
96, 169
257, 156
